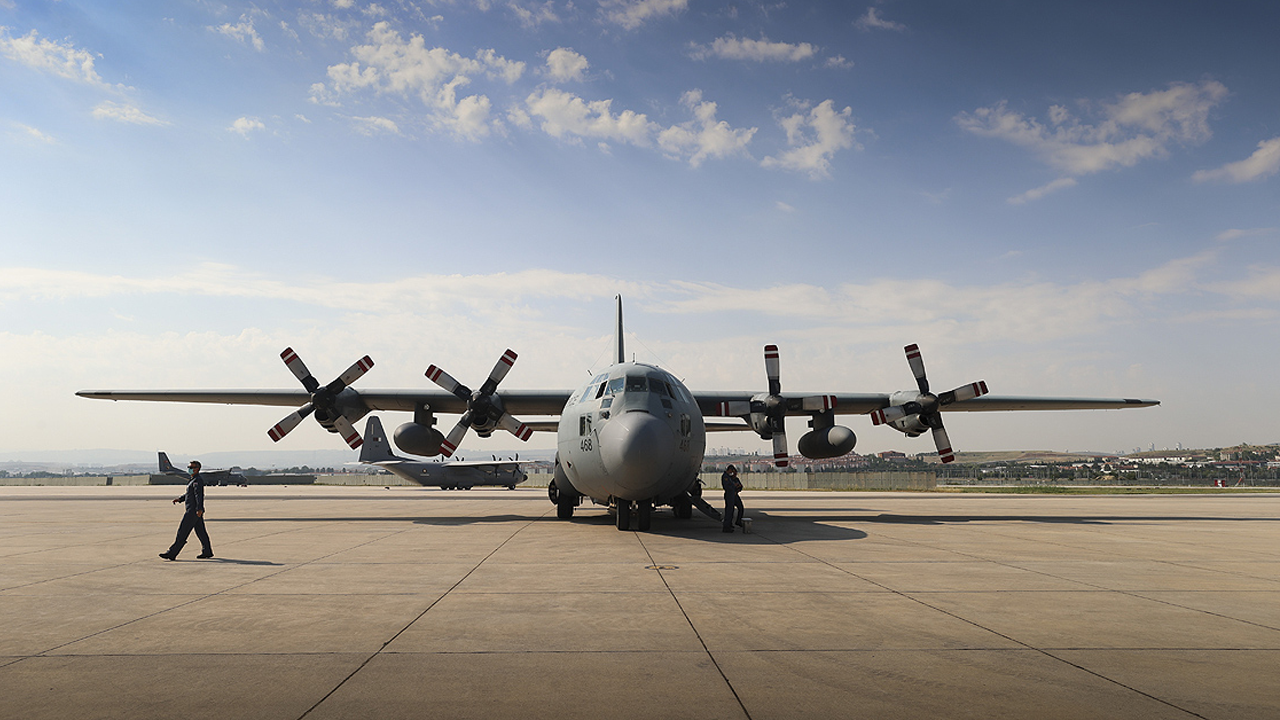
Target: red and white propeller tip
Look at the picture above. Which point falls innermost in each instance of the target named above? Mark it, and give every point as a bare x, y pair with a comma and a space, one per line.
322, 398
482, 406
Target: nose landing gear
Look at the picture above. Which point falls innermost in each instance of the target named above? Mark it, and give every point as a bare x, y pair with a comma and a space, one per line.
643, 513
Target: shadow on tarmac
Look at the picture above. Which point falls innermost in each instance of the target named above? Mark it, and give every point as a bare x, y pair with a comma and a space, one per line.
419, 520
1049, 519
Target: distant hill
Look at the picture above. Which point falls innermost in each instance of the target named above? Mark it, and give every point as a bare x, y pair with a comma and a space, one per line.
1018, 456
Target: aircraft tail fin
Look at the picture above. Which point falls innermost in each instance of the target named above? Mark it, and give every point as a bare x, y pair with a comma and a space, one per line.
622, 352
166, 466
376, 447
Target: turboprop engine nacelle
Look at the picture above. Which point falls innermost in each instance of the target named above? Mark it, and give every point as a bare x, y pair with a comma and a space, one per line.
910, 425
418, 439
827, 442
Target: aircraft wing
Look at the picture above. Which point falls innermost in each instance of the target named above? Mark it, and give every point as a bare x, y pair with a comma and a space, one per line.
518, 402
496, 464
714, 404
988, 403
552, 402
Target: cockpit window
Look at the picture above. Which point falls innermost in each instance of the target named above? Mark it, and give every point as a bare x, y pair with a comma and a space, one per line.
615, 386
659, 386
637, 384
595, 388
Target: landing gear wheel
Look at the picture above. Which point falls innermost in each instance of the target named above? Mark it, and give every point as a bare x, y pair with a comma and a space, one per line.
624, 514
564, 510
683, 509
644, 512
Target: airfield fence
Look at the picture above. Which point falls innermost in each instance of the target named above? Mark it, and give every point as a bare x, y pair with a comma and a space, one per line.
710, 481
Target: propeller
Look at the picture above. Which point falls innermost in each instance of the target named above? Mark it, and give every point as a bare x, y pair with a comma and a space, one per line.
485, 410
769, 410
928, 406
323, 400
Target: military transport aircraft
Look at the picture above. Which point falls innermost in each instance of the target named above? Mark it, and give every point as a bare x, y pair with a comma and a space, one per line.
634, 436
211, 477
457, 475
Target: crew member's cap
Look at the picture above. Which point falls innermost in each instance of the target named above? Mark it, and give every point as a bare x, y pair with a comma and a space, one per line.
732, 469
193, 464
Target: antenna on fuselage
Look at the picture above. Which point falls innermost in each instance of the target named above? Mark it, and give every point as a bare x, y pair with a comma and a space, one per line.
621, 356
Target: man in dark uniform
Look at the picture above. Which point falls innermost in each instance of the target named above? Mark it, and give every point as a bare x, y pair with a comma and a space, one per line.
193, 518
732, 498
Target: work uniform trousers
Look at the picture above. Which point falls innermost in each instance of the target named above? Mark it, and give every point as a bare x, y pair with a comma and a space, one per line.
191, 521
731, 501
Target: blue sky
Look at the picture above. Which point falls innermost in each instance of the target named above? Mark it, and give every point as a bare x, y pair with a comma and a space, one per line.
1061, 199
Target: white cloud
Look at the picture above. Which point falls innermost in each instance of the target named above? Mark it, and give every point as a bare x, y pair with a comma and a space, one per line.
838, 62
762, 50
566, 116
814, 136
872, 21
1037, 193
328, 27
246, 125
125, 113
62, 59
704, 136
631, 14
1237, 233
1023, 337
391, 65
532, 15
1136, 127
242, 31
29, 133
375, 125
563, 64
1264, 162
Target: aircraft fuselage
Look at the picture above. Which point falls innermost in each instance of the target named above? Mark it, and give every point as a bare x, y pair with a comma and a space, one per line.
633, 433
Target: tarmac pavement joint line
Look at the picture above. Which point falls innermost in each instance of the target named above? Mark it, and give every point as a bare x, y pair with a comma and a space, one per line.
1101, 588
997, 633
416, 618
45, 652
661, 570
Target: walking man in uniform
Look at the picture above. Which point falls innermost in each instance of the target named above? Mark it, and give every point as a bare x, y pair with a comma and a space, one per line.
193, 518
732, 498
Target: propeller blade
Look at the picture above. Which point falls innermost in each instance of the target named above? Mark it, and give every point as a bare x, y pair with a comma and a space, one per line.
772, 369
290, 422
500, 370
888, 414
355, 372
781, 457
515, 427
943, 443
964, 392
733, 408
299, 369
451, 443
821, 403
917, 367
447, 383
348, 433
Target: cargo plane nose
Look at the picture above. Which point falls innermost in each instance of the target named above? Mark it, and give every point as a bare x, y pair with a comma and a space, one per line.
637, 449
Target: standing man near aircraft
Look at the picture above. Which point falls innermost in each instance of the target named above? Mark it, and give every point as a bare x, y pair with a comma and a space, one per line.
732, 498
193, 518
